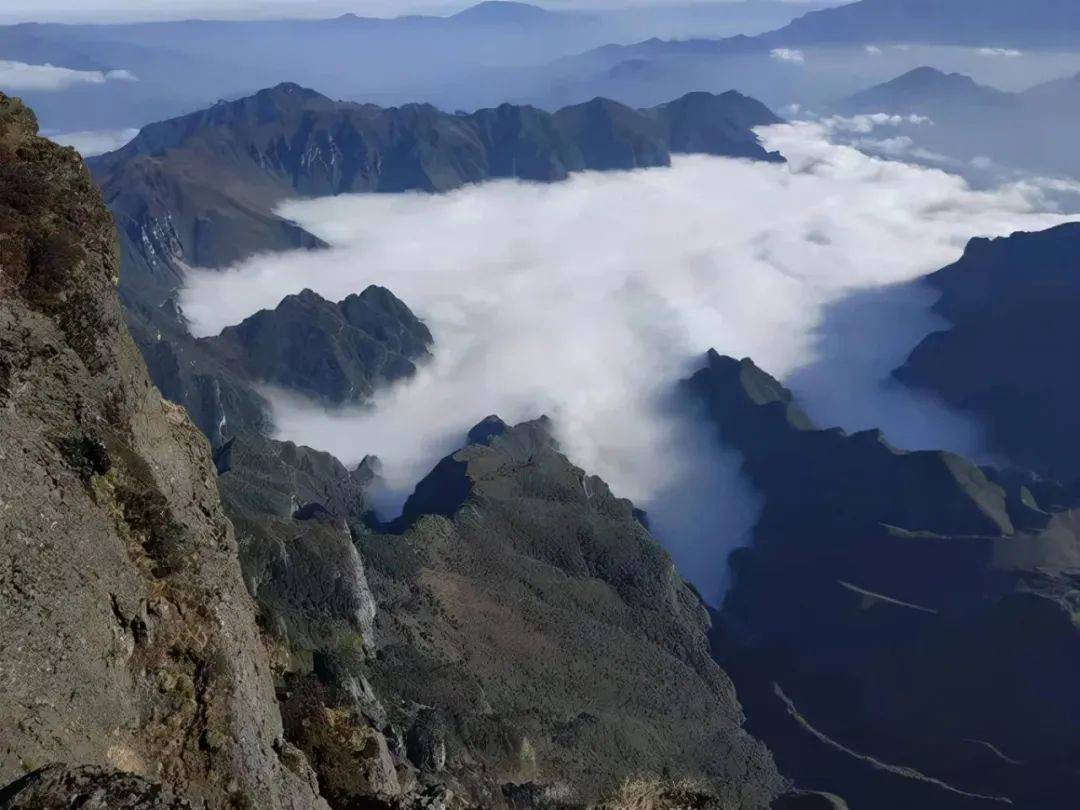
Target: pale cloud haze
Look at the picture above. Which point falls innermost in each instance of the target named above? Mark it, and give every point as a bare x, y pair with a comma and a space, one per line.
588, 300
20, 77
96, 142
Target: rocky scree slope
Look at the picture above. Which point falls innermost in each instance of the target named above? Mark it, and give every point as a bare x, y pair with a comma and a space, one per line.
915, 615
127, 641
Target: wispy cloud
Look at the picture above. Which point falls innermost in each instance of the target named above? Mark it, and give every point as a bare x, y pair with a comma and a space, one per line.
94, 142
867, 123
21, 77
1007, 52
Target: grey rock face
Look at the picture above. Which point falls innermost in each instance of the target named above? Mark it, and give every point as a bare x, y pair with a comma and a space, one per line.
127, 641
59, 788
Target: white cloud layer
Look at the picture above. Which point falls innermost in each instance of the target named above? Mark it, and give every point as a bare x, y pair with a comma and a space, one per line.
1007, 52
21, 77
95, 142
587, 300
788, 55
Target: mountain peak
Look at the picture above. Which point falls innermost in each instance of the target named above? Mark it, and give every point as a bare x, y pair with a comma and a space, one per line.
931, 76
502, 12
290, 90
925, 90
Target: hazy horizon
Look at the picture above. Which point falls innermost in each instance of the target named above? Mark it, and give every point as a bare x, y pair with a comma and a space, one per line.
120, 11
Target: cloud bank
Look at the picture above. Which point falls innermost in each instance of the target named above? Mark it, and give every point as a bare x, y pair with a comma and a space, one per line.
95, 142
587, 300
20, 77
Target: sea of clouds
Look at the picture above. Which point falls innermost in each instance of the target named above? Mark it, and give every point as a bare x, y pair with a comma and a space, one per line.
588, 300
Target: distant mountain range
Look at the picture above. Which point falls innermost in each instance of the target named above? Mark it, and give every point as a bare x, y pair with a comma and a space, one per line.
983, 23
1031, 130
1012, 23
482, 56
201, 189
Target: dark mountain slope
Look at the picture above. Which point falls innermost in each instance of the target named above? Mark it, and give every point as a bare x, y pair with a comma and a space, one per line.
127, 640
1013, 303
879, 595
336, 352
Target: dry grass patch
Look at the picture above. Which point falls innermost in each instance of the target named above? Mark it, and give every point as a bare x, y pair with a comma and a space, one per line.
655, 793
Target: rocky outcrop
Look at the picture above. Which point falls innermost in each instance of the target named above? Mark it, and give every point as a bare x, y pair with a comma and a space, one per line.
537, 641
88, 787
866, 622
128, 642
338, 353
334, 353
1013, 305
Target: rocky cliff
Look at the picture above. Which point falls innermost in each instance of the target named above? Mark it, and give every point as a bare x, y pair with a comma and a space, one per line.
128, 639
